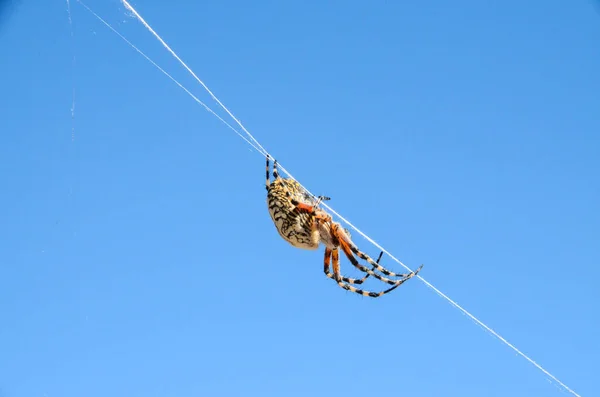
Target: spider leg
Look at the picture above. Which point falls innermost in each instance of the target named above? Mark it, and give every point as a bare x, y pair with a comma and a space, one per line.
268, 175
376, 265
340, 280
301, 207
355, 263
275, 172
328, 254
321, 198
346, 244
380, 268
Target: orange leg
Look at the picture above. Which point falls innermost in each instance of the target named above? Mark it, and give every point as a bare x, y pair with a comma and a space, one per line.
328, 254
360, 267
348, 287
348, 247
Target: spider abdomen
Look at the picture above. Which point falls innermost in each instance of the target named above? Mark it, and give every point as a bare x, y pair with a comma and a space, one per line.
298, 229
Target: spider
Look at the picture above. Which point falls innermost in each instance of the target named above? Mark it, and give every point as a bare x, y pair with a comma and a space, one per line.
299, 220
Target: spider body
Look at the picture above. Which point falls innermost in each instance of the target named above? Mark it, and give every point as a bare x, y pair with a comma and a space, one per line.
299, 220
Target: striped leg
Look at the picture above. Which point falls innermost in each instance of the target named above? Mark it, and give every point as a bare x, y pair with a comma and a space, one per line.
360, 267
365, 257
321, 198
345, 247
328, 255
346, 244
338, 278
383, 270
268, 174
275, 172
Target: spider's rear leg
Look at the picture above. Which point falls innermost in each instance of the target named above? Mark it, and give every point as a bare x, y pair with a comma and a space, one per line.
345, 285
268, 174
275, 172
328, 255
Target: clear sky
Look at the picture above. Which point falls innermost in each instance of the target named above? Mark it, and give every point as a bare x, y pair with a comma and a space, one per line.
137, 256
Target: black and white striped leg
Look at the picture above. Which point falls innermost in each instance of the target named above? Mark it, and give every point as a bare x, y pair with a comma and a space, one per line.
383, 270
328, 255
340, 280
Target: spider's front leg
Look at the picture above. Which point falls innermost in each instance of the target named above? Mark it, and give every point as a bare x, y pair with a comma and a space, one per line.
329, 253
341, 281
348, 247
403, 276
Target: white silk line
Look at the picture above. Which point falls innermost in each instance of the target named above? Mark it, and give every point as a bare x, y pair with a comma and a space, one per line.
139, 17
169, 76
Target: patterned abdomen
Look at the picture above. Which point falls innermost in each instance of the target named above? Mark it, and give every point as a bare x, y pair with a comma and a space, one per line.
298, 229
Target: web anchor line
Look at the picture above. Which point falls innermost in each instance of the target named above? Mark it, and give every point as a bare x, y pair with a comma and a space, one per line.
253, 142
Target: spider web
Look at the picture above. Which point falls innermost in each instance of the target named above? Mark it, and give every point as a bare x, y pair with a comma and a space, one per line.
253, 142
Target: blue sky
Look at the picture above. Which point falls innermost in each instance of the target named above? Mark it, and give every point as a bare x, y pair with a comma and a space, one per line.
138, 257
